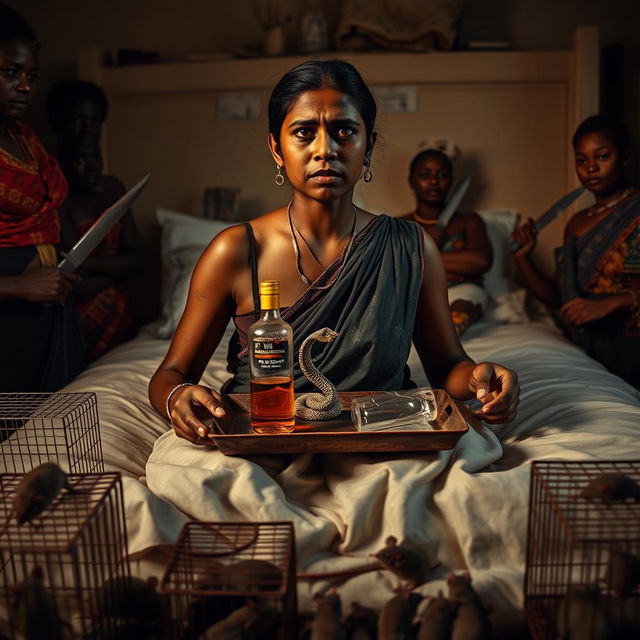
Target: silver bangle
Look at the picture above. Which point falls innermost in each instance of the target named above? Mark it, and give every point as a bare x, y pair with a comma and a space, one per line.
167, 405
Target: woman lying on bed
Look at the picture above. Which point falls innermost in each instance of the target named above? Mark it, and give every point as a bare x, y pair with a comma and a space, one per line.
376, 280
597, 280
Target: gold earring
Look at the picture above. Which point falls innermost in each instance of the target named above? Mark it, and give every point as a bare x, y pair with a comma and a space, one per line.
367, 175
279, 176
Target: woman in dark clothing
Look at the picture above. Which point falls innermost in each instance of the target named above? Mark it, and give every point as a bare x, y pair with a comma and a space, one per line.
377, 280
596, 286
40, 335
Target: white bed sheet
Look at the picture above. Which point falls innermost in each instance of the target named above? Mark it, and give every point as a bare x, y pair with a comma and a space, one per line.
466, 508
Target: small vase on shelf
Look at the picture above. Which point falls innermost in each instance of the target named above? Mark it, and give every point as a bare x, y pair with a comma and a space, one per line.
313, 36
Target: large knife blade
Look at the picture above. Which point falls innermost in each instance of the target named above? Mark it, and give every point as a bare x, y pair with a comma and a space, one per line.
452, 206
99, 229
552, 213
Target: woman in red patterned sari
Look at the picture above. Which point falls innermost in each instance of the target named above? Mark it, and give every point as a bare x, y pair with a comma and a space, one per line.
597, 282
40, 336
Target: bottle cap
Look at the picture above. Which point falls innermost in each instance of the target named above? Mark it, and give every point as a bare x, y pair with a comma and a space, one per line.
269, 294
269, 287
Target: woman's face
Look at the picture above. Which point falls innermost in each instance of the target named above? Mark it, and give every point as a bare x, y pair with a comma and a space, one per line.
82, 167
599, 164
431, 180
323, 143
82, 119
18, 74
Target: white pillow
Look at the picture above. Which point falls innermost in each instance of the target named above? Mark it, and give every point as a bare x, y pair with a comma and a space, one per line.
506, 300
184, 238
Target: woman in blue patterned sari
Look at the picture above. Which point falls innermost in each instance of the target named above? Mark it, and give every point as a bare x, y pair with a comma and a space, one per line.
597, 282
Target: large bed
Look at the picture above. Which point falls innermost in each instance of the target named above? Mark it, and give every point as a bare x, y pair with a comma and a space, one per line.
466, 508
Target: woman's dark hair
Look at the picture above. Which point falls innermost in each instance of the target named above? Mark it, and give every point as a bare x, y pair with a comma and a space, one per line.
14, 26
316, 74
65, 94
430, 152
611, 128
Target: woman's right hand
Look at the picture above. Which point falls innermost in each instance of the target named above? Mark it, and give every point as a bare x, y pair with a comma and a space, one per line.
526, 236
46, 284
192, 409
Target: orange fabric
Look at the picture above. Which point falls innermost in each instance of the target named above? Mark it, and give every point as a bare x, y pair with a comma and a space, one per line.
30, 193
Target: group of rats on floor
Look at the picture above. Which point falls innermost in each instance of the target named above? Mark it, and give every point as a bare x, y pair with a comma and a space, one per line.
137, 610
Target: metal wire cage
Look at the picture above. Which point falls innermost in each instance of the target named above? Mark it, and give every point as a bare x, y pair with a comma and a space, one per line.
233, 577
573, 544
68, 568
57, 427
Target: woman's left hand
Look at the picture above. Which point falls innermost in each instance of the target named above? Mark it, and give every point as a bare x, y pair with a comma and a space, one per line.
582, 310
498, 390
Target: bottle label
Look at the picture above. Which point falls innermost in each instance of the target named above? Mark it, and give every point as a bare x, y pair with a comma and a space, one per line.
270, 355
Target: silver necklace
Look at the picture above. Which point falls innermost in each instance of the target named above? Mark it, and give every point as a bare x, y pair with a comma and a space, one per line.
296, 250
595, 211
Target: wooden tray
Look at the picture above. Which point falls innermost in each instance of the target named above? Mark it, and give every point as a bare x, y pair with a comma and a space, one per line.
338, 435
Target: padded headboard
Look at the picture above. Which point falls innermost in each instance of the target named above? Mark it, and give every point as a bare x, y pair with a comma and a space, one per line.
511, 113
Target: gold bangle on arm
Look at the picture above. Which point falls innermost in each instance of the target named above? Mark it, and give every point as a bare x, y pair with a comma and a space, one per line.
47, 255
171, 393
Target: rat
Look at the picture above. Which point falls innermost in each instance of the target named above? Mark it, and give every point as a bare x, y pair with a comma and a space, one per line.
361, 623
407, 563
326, 622
132, 600
396, 617
231, 626
611, 487
36, 491
263, 625
237, 579
436, 622
36, 612
471, 622
623, 573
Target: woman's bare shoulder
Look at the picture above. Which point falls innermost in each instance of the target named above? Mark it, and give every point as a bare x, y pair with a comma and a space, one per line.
228, 249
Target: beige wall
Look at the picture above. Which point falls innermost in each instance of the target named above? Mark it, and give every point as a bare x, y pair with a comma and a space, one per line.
511, 166
218, 25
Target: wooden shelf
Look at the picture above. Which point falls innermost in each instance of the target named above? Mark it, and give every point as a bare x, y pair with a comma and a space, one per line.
378, 68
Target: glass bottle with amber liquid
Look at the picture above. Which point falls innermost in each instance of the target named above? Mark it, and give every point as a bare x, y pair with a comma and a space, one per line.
270, 342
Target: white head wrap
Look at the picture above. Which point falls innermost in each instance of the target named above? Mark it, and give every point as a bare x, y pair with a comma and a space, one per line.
444, 145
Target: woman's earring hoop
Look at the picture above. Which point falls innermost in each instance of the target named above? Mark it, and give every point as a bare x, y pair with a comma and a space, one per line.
366, 174
279, 176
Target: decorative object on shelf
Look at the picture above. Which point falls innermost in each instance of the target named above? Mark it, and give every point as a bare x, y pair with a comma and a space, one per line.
221, 203
50, 427
273, 16
406, 25
228, 578
312, 33
53, 567
583, 549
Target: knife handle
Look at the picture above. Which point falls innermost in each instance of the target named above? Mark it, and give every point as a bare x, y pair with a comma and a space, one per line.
67, 263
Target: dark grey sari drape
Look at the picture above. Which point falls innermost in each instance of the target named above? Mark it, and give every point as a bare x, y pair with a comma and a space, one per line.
372, 305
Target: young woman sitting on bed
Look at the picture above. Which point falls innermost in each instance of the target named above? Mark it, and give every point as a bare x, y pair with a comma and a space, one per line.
597, 281
465, 248
376, 280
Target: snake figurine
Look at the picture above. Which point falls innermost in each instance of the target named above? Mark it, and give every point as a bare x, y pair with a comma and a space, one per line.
317, 406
